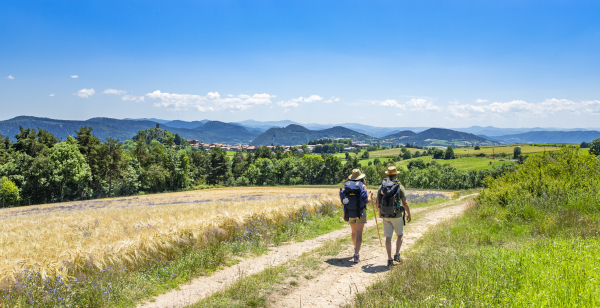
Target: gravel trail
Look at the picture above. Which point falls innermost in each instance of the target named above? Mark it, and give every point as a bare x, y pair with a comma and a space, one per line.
330, 289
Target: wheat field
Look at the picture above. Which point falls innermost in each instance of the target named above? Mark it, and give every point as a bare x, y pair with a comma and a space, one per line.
71, 237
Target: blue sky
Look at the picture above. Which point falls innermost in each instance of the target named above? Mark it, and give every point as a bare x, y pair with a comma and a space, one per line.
383, 63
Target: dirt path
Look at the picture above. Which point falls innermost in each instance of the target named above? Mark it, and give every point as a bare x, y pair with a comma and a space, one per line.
204, 286
338, 280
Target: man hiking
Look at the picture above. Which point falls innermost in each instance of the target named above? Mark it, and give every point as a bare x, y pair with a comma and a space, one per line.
389, 196
354, 197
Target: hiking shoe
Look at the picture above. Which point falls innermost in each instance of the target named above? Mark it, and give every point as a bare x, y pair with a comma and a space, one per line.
356, 258
390, 263
397, 258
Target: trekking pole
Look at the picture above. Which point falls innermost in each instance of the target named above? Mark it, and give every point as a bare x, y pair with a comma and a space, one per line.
377, 224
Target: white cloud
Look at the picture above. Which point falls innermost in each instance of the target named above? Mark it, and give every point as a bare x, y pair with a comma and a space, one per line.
85, 93
51, 95
390, 103
420, 104
453, 102
74, 76
479, 101
399, 114
415, 104
592, 107
113, 91
332, 100
10, 77
211, 102
519, 108
132, 98
296, 101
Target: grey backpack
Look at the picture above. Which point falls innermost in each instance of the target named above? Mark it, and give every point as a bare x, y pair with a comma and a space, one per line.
389, 205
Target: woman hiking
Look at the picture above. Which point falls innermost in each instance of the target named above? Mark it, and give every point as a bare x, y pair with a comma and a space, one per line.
354, 197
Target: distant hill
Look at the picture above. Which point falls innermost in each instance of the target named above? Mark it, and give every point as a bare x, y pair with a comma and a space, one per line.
296, 134
551, 137
161, 121
437, 137
400, 135
60, 128
228, 130
497, 131
125, 129
186, 124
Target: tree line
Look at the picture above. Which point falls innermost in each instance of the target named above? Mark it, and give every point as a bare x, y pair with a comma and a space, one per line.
39, 168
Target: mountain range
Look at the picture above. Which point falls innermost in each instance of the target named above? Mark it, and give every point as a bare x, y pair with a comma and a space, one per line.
289, 133
437, 137
549, 137
295, 134
207, 131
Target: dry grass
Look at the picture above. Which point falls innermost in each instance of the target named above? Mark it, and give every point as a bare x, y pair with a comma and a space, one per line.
93, 235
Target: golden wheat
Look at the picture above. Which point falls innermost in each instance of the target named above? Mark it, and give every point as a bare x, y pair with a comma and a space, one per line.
64, 238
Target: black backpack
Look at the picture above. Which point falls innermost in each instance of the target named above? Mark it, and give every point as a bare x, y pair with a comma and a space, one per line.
390, 199
352, 192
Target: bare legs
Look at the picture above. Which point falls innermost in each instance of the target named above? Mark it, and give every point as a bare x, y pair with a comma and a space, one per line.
388, 246
357, 231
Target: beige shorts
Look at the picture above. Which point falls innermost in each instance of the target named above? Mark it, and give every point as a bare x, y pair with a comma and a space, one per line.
356, 220
393, 224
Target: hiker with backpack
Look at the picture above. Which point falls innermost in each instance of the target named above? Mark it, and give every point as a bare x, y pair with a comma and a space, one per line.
355, 198
393, 209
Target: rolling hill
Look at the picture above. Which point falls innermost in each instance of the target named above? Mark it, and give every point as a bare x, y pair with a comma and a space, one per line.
437, 137
61, 128
212, 131
186, 124
296, 134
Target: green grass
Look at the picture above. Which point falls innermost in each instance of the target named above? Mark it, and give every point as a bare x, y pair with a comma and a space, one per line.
526, 148
531, 240
470, 163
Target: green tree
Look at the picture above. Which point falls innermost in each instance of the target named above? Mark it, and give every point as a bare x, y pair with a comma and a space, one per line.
449, 154
131, 176
239, 164
516, 152
416, 164
9, 193
32, 143
352, 163
584, 145
69, 165
267, 172
114, 158
595, 147
219, 166
365, 155
476, 148
199, 165
305, 149
332, 172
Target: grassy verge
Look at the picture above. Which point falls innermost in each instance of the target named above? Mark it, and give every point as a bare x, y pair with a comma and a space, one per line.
254, 290
531, 239
120, 287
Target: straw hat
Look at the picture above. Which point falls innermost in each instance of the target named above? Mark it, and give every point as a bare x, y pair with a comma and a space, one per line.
391, 170
356, 175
